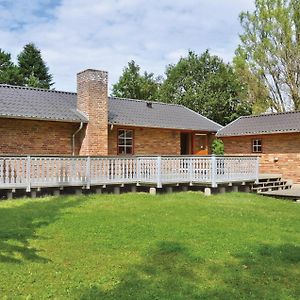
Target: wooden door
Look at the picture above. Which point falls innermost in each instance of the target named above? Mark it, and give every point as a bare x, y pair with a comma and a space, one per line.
200, 146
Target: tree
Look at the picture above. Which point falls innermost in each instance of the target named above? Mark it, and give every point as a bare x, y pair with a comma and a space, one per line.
9, 73
270, 50
133, 85
255, 91
206, 85
33, 81
32, 66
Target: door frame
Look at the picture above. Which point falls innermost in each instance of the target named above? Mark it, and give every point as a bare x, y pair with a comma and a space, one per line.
206, 149
192, 135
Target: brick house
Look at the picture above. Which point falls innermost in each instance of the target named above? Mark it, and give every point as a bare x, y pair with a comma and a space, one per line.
42, 122
274, 137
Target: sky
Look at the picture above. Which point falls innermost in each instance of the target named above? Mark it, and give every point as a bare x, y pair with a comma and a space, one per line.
74, 35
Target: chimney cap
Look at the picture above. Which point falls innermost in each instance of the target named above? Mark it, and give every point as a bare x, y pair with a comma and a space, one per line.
92, 71
90, 75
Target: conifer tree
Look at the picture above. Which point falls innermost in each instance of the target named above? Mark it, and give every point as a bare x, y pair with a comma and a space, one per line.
9, 72
32, 66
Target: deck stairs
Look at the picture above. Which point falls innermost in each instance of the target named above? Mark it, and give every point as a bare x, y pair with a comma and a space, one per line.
271, 182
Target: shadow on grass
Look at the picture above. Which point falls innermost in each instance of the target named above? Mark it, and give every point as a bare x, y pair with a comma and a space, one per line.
166, 273
18, 225
171, 272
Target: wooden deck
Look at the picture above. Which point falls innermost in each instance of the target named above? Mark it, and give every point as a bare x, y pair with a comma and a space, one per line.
36, 173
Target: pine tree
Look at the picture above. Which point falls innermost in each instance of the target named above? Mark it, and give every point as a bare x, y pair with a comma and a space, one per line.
31, 66
9, 72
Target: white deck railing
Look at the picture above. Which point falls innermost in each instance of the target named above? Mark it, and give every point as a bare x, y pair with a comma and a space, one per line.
38, 172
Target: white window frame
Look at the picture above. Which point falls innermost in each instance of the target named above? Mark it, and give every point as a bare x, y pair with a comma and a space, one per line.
257, 146
126, 138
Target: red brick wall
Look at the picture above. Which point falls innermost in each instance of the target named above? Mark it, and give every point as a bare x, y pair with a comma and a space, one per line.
151, 141
22, 137
36, 137
148, 141
285, 147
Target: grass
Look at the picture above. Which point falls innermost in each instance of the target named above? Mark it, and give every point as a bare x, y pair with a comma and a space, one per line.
137, 246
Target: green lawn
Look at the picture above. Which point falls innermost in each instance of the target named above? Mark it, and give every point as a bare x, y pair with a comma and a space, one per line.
137, 246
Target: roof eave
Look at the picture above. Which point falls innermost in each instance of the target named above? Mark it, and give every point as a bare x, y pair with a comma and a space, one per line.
42, 119
161, 127
258, 133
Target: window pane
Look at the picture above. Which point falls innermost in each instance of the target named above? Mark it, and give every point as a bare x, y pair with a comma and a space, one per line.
128, 150
121, 142
129, 142
121, 133
122, 150
128, 133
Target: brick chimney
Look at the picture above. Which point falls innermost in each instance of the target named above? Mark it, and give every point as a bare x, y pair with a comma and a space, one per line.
92, 99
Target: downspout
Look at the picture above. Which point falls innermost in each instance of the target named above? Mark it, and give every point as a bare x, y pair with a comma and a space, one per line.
73, 138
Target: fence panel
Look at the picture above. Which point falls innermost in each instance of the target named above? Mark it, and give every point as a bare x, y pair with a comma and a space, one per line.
13, 171
57, 171
20, 172
236, 168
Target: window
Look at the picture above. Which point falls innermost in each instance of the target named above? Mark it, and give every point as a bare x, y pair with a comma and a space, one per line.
256, 146
125, 141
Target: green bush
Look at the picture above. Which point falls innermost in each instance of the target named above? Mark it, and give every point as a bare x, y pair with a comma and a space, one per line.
218, 147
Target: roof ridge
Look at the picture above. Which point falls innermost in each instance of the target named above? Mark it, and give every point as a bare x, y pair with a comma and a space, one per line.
202, 116
35, 89
271, 114
228, 125
143, 100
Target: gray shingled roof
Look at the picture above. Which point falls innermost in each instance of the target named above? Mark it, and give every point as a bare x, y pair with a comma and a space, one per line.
263, 124
137, 113
31, 103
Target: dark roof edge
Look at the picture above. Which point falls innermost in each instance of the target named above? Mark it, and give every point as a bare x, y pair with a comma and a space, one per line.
258, 133
142, 100
42, 119
160, 127
36, 89
271, 114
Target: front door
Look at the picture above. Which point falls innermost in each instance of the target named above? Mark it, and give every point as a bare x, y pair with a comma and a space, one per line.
185, 143
200, 144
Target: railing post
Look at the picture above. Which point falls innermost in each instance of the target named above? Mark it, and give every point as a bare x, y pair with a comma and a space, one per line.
88, 172
191, 171
28, 171
158, 172
138, 171
257, 169
213, 171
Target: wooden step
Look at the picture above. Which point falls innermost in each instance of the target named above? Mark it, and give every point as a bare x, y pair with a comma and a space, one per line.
270, 183
274, 183
269, 187
275, 188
